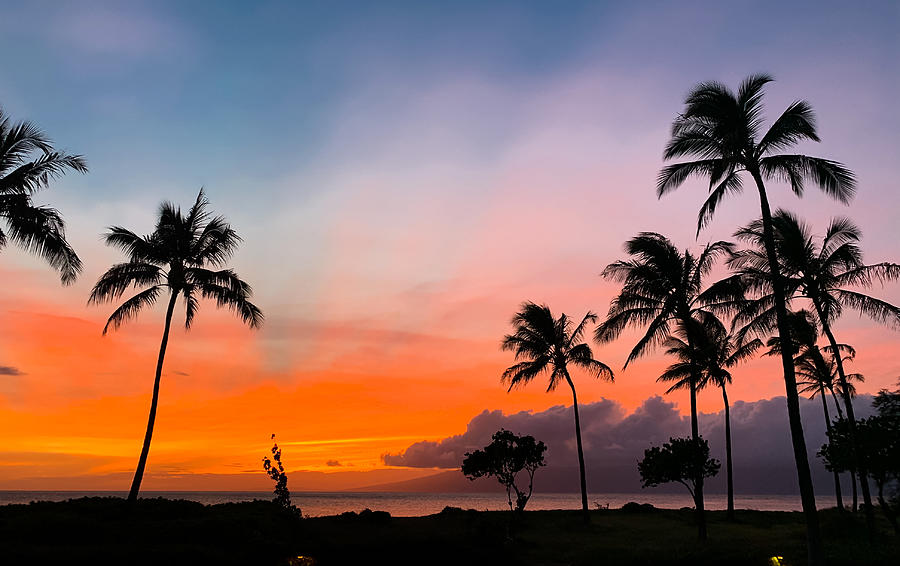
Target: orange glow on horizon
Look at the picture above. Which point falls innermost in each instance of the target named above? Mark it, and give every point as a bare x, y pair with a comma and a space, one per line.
75, 416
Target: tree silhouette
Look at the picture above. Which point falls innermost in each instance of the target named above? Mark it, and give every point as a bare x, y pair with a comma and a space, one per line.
662, 287
715, 351
820, 274
681, 460
504, 458
275, 470
544, 344
28, 163
722, 130
175, 259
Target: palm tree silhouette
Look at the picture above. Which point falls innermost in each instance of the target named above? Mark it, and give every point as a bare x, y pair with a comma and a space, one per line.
28, 163
544, 344
714, 352
660, 287
721, 129
819, 274
817, 375
175, 258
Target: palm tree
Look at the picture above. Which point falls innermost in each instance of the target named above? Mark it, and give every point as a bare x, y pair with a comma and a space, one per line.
28, 163
722, 130
715, 351
660, 287
820, 274
175, 259
818, 375
544, 344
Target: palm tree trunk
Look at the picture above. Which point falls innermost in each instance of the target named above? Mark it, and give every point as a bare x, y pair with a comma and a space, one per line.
815, 555
145, 450
584, 503
837, 477
728, 467
695, 436
858, 462
855, 494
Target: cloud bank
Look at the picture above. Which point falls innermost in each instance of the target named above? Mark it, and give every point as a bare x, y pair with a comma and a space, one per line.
614, 441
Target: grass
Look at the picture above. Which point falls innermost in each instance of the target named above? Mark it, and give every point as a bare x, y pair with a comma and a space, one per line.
158, 531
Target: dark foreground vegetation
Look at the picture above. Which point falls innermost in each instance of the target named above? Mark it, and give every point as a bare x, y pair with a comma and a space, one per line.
158, 531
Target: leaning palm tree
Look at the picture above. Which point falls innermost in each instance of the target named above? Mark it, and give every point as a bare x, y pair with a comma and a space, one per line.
28, 163
721, 129
662, 287
819, 273
184, 256
714, 351
544, 344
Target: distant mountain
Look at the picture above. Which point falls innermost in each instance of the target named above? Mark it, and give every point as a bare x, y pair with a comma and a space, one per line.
451, 481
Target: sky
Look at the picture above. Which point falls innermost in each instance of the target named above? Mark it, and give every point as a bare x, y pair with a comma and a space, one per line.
404, 175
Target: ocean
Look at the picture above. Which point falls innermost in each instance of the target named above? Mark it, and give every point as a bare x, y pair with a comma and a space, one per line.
317, 504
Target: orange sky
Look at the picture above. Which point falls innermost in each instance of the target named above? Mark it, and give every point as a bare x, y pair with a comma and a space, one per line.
75, 416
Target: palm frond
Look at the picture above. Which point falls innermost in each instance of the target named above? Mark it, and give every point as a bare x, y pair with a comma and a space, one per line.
673, 176
729, 185
796, 123
130, 308
876, 309
833, 178
40, 230
35, 175
234, 301
120, 277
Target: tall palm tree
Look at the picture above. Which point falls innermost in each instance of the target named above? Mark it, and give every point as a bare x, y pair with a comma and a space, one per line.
715, 351
180, 258
545, 344
661, 287
28, 163
721, 129
820, 274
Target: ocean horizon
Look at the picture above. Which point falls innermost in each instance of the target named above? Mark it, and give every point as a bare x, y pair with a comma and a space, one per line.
317, 504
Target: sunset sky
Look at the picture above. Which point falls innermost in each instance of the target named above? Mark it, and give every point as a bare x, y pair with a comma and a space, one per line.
403, 177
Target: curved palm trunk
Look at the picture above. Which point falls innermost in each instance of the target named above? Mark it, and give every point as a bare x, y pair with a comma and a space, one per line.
695, 435
837, 477
859, 463
584, 503
145, 450
815, 555
728, 466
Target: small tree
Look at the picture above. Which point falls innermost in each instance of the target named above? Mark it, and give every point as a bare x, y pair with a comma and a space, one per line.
506, 456
275, 469
681, 460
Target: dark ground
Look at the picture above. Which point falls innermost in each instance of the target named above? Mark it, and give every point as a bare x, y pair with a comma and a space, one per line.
164, 532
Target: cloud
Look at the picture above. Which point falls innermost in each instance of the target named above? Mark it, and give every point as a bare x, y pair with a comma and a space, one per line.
333, 464
10, 370
614, 441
